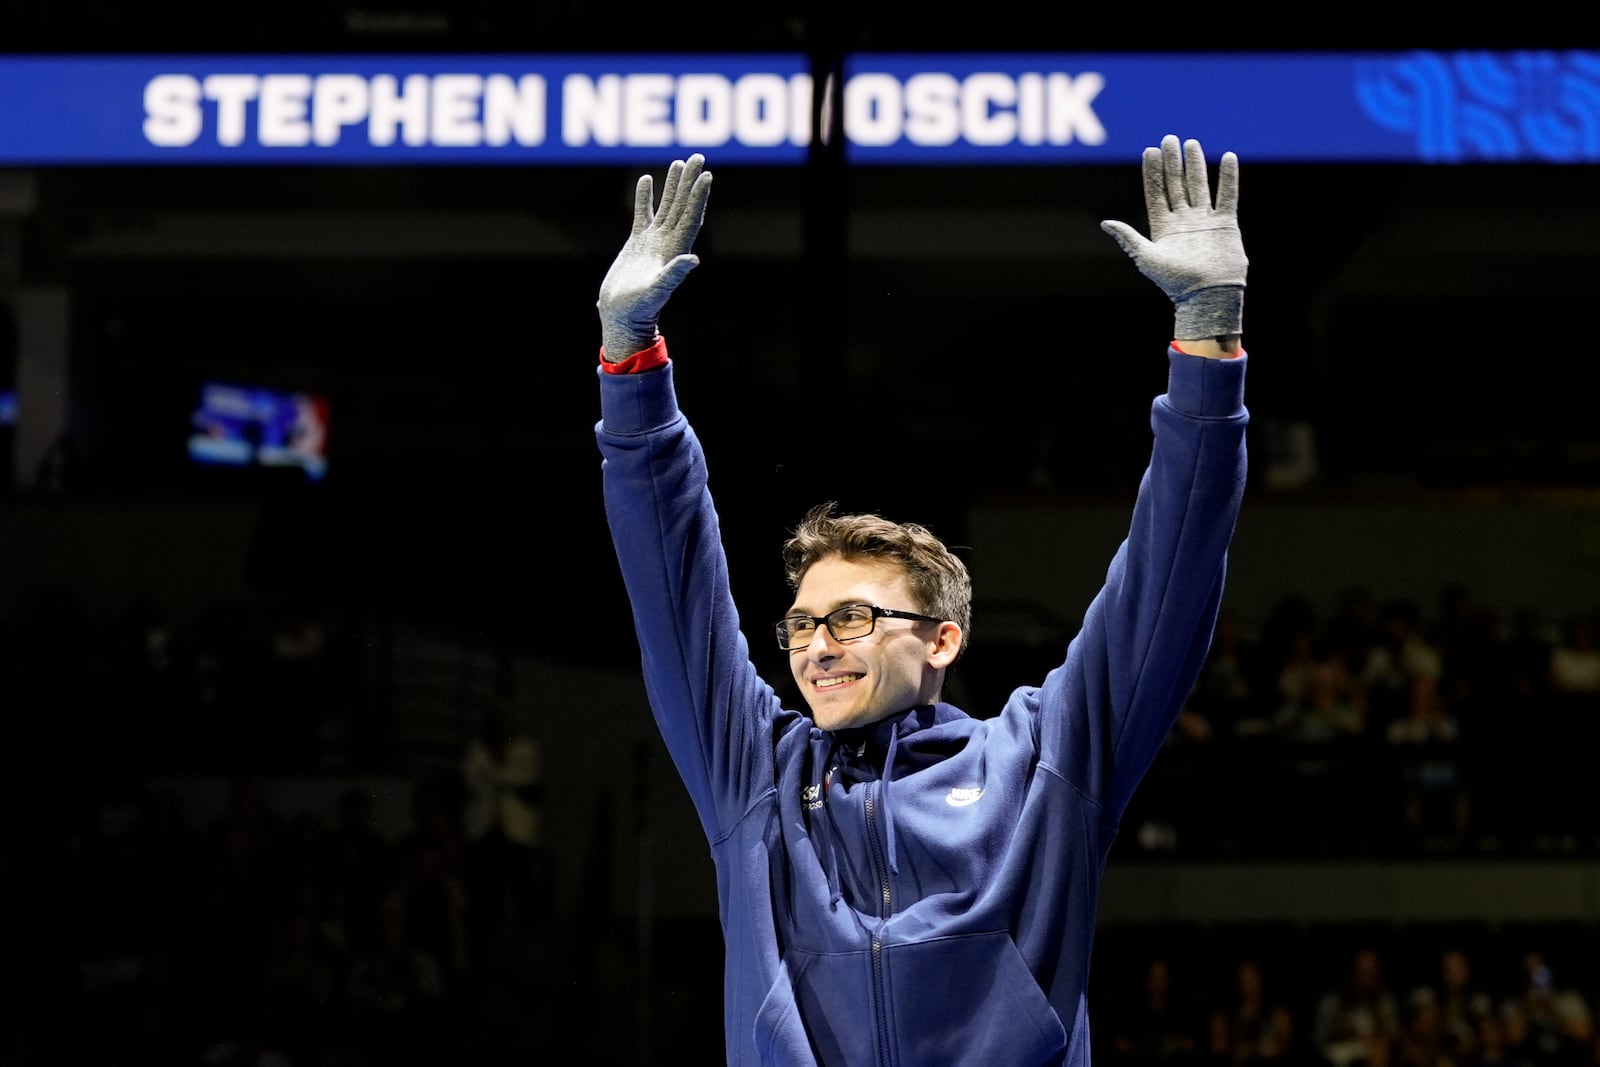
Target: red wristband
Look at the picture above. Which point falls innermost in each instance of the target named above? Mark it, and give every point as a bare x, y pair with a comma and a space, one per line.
1226, 355
647, 359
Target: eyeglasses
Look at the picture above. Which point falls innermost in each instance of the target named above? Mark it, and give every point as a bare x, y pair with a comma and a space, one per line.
845, 624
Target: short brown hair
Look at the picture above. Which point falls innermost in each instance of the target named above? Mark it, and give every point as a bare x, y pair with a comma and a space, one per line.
938, 578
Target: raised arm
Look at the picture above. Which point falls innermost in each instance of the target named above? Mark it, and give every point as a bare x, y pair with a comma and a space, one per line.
1112, 705
714, 713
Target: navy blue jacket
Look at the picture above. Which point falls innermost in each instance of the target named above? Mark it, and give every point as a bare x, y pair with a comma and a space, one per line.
922, 891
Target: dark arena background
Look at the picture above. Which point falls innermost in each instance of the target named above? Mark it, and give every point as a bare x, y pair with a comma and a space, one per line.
240, 702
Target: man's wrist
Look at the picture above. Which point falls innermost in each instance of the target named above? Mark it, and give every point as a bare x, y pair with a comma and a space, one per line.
1208, 312
1221, 346
645, 359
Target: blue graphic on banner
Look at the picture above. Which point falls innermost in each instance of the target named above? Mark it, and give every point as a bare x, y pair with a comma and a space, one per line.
1491, 107
939, 109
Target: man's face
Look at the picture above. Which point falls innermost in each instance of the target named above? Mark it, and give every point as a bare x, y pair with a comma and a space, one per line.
895, 667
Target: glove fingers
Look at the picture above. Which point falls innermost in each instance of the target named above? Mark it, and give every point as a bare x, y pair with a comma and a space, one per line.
688, 174
689, 213
1196, 184
1228, 185
1131, 240
669, 191
694, 204
643, 195
676, 270
1172, 173
1155, 185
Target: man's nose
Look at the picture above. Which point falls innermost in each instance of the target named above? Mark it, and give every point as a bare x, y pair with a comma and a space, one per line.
823, 644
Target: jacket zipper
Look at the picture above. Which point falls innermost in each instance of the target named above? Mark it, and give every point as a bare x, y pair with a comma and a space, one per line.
885, 909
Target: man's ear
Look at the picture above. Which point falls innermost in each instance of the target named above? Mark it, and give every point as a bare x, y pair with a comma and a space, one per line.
946, 645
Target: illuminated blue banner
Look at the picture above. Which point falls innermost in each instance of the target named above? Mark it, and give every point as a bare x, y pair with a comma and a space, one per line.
943, 109
1415, 107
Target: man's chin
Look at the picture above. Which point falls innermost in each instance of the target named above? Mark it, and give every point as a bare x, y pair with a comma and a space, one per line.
833, 718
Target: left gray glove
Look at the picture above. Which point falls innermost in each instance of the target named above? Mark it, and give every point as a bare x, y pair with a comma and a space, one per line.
1195, 252
655, 258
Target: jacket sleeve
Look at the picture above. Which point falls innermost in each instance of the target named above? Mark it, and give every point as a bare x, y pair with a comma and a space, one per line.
1107, 710
715, 714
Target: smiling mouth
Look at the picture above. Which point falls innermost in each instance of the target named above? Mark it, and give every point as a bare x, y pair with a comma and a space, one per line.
835, 681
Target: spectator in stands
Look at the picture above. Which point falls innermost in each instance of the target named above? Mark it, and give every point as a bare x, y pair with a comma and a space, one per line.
1289, 628
1524, 664
1158, 1026
1518, 1034
1437, 808
1560, 1023
1422, 1038
1323, 700
1296, 663
1424, 720
1227, 695
1463, 1003
503, 821
1357, 1021
1402, 656
1493, 1045
1253, 1029
1575, 660
1573, 708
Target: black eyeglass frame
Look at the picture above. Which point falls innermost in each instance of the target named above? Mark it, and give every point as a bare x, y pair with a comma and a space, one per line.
822, 620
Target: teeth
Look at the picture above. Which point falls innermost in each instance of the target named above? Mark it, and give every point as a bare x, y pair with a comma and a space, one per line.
829, 683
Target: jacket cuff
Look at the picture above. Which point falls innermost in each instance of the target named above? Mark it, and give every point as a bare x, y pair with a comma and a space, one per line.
637, 403
1208, 388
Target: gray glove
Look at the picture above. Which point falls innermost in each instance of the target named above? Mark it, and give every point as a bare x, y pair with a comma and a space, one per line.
1194, 252
655, 258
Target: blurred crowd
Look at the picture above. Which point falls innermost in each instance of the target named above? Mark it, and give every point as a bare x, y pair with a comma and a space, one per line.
1363, 998
1385, 727
274, 938
143, 932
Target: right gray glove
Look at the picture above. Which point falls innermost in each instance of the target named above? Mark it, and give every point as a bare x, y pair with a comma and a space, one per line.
1195, 252
655, 258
